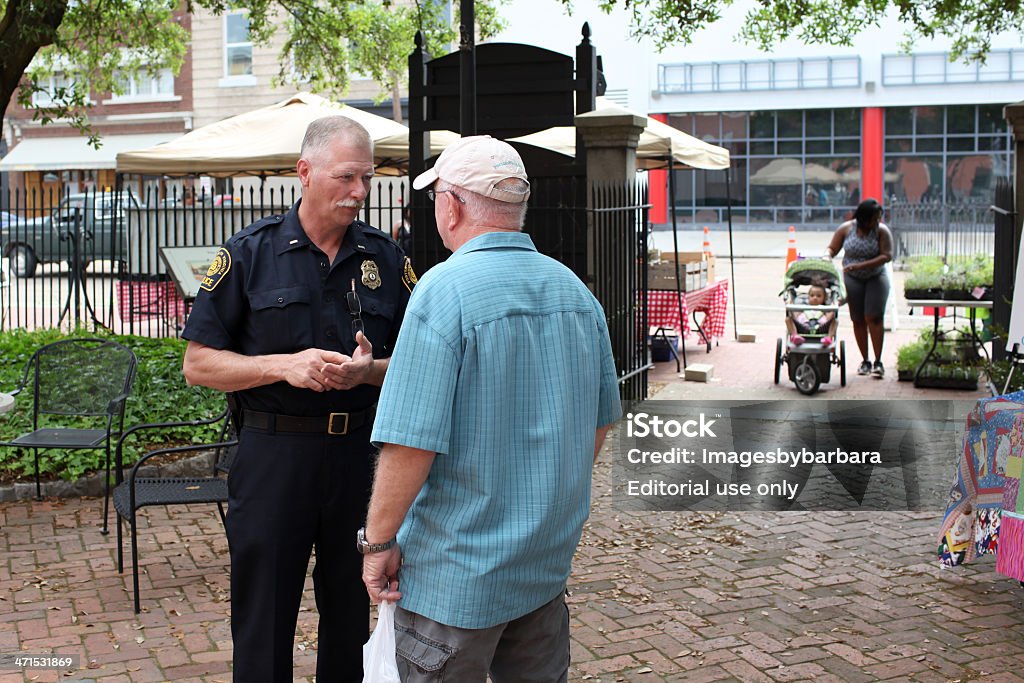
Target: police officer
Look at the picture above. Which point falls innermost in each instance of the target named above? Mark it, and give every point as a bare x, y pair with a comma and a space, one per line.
296, 318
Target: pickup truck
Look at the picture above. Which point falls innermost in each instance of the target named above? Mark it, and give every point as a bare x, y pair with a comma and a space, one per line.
27, 243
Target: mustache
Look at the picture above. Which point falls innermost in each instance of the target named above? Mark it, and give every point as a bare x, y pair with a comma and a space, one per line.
349, 204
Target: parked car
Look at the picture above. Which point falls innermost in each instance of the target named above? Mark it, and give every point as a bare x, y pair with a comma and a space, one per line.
8, 218
27, 243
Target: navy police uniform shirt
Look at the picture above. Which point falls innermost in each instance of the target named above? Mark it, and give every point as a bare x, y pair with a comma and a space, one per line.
271, 290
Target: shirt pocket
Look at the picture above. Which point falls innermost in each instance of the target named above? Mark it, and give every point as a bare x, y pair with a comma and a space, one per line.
378, 320
281, 319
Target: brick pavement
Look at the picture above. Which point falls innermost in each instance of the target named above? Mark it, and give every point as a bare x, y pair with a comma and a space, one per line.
656, 597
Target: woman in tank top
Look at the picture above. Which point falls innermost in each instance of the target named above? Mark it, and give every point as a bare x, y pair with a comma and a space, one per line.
866, 243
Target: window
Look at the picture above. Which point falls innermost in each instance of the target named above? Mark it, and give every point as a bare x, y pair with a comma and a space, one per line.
947, 153
935, 67
146, 86
51, 87
768, 74
237, 45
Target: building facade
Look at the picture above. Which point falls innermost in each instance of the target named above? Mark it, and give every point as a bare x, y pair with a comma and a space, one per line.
45, 162
811, 130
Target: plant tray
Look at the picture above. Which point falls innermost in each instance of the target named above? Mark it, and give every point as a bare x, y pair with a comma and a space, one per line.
957, 295
922, 294
946, 383
905, 375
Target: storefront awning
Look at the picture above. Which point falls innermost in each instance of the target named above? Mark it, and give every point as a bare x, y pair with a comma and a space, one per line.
75, 153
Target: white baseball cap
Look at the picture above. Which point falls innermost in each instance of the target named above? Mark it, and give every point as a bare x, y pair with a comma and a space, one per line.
478, 163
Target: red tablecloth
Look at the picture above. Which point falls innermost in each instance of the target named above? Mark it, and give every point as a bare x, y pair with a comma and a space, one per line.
712, 300
143, 299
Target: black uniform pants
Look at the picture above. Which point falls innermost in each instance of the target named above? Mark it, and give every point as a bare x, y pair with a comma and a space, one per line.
290, 493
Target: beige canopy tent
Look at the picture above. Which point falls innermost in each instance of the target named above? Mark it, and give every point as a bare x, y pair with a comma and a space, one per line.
659, 143
790, 171
266, 141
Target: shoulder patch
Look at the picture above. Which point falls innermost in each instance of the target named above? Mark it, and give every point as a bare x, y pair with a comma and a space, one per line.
217, 270
409, 278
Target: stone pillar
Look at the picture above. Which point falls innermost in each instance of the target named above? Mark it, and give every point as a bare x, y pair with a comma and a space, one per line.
610, 139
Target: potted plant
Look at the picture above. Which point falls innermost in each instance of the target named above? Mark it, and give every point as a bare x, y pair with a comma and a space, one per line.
910, 356
954, 363
925, 279
954, 283
979, 277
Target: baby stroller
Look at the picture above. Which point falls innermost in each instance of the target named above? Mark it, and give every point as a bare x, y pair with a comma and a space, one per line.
810, 363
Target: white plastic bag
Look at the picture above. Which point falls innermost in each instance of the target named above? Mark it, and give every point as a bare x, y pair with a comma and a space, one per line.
379, 664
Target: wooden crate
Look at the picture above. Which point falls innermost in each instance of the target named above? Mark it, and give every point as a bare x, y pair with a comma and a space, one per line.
692, 275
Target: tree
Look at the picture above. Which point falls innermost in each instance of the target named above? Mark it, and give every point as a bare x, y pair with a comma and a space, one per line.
96, 46
969, 24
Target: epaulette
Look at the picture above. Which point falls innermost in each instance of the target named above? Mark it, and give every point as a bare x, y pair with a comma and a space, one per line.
265, 222
374, 232
253, 228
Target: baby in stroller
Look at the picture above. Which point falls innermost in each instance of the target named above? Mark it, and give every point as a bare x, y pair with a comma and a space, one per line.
812, 293
813, 322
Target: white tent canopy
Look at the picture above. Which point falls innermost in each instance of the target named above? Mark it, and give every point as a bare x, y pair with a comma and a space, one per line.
658, 143
262, 141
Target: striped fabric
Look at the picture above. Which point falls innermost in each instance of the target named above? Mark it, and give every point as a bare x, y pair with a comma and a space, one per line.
504, 368
1010, 552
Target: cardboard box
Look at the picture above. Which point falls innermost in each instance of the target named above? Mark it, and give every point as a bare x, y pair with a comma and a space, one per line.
699, 372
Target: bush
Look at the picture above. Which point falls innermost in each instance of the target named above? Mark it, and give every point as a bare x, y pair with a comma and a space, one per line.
159, 394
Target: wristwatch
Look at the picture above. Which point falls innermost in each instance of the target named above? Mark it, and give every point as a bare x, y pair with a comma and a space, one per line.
365, 547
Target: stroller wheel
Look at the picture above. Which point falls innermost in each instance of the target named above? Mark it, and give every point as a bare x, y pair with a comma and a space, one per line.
806, 378
778, 359
842, 363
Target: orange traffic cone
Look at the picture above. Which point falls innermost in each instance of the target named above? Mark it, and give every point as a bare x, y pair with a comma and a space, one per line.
791, 250
707, 242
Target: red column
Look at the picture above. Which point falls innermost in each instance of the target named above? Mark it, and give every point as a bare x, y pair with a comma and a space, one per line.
657, 187
872, 163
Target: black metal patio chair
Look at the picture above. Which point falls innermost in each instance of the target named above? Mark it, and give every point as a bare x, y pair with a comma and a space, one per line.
139, 489
79, 389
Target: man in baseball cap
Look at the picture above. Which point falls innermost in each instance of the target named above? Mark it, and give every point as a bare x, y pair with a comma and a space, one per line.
499, 394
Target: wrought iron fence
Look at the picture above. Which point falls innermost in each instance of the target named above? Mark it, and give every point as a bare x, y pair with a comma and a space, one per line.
95, 259
100, 259
619, 257
932, 229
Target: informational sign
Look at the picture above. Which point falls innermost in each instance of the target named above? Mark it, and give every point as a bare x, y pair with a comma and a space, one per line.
188, 266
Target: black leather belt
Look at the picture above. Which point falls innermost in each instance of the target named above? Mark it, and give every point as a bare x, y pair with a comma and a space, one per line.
335, 424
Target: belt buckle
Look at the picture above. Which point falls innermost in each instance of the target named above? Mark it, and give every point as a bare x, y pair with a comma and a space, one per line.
330, 424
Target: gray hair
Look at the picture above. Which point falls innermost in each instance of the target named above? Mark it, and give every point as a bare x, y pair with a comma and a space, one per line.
494, 212
322, 132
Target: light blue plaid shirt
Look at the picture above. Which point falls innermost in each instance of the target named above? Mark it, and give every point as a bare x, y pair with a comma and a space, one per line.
503, 367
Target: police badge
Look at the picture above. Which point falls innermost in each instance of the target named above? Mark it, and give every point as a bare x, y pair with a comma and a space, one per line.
371, 276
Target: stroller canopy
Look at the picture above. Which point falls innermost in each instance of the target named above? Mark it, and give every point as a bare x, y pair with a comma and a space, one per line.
808, 270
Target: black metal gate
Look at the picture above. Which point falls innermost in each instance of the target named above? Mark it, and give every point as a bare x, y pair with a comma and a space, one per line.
619, 217
1007, 242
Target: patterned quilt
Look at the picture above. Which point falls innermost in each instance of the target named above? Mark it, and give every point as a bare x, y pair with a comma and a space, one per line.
971, 524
